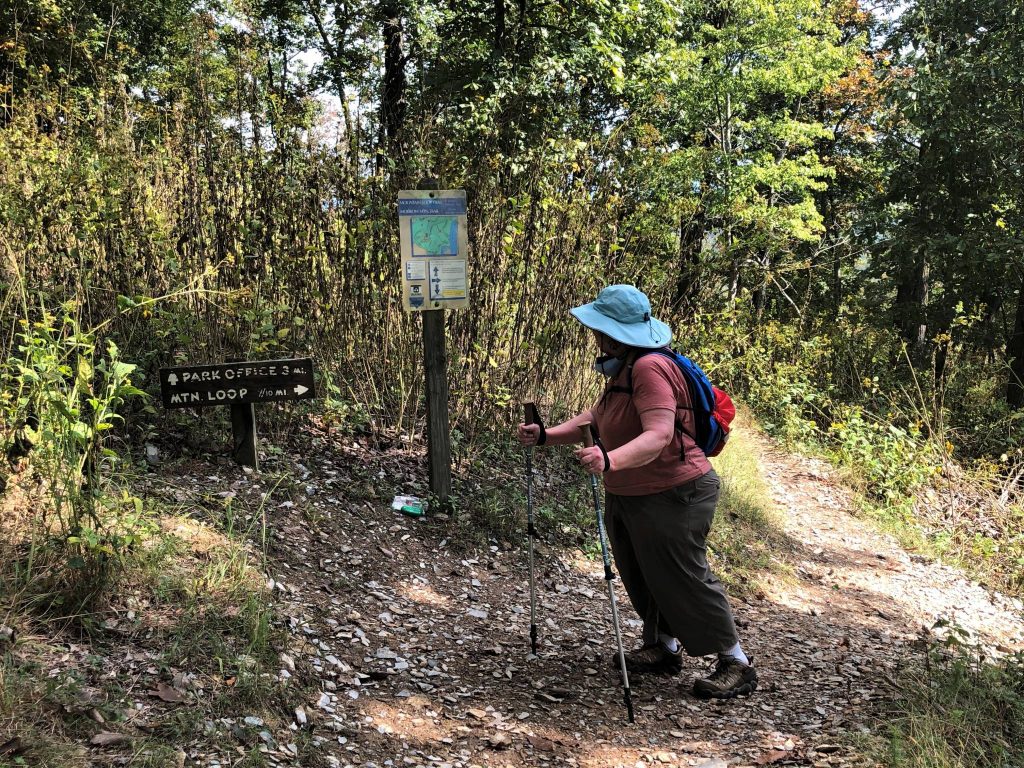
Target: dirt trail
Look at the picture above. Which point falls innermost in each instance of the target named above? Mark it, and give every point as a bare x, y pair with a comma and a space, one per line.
422, 653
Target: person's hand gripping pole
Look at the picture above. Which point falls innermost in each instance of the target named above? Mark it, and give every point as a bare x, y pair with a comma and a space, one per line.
531, 416
589, 434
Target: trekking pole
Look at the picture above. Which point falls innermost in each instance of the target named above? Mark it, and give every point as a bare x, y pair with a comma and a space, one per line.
530, 416
588, 432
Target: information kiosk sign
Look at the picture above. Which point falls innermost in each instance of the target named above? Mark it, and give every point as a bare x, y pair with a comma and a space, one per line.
435, 245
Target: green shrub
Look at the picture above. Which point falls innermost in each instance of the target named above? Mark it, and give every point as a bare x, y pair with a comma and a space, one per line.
61, 396
826, 392
892, 461
959, 709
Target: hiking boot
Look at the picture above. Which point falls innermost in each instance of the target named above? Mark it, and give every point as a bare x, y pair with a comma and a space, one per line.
654, 658
731, 678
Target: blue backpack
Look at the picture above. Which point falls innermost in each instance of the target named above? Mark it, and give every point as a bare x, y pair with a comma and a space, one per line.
713, 410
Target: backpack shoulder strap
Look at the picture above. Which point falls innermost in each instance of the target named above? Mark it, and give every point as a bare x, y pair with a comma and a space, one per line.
628, 389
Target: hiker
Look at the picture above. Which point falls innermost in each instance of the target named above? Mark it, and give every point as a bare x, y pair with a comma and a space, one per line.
660, 494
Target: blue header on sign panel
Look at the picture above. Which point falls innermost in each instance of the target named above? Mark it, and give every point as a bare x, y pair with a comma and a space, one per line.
432, 206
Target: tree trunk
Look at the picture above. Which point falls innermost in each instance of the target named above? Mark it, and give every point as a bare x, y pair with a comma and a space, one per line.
760, 294
691, 240
499, 24
831, 250
911, 304
837, 282
393, 103
735, 281
334, 51
1015, 351
993, 331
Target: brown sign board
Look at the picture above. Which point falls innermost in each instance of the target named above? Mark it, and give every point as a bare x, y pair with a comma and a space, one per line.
256, 381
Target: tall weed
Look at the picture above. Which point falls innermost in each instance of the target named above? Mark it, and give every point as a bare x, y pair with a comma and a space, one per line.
824, 393
61, 391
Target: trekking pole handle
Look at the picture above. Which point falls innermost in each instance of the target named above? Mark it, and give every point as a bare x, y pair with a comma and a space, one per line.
531, 416
587, 431
591, 438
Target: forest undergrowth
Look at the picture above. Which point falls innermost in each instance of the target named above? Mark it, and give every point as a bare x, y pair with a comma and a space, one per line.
921, 471
822, 200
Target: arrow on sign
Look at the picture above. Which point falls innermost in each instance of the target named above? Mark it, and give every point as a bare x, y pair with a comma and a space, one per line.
173, 379
300, 390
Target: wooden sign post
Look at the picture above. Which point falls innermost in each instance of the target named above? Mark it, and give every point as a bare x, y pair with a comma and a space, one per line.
435, 247
439, 445
238, 384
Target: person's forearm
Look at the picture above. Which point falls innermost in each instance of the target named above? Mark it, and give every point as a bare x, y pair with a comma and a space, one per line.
637, 452
568, 432
658, 429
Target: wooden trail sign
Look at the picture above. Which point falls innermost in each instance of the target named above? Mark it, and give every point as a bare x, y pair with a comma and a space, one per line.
238, 384
260, 381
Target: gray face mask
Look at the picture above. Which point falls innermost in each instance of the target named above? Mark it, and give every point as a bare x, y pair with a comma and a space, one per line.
609, 365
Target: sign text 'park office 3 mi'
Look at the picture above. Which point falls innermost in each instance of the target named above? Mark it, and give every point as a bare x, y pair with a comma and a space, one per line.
241, 383
435, 248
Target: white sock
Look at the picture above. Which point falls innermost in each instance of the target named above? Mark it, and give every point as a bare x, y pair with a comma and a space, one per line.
736, 653
669, 642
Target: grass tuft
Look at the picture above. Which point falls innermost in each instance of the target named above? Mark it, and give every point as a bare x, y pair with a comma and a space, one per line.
956, 709
192, 595
746, 539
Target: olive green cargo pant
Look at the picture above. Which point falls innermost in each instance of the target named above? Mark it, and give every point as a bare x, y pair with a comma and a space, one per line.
660, 551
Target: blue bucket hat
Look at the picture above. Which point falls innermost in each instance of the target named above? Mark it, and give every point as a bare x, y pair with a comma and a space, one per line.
623, 313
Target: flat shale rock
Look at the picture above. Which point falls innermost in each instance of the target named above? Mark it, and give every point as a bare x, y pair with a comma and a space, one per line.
406, 649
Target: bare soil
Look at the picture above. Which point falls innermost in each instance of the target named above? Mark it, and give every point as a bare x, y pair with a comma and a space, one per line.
405, 647
423, 649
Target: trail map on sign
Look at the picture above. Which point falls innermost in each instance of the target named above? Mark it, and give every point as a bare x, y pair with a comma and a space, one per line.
435, 235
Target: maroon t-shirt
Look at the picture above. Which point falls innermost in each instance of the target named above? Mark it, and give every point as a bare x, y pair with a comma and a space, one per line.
657, 383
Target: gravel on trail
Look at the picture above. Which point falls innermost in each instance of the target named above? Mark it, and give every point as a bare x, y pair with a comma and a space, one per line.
420, 650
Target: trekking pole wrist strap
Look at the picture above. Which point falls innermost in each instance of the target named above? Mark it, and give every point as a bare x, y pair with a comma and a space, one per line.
604, 453
532, 416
